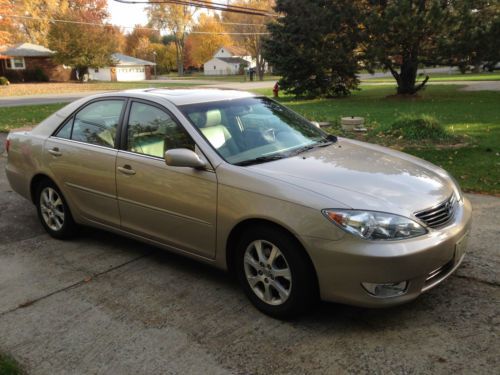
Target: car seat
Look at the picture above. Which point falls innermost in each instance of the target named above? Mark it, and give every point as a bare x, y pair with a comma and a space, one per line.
217, 134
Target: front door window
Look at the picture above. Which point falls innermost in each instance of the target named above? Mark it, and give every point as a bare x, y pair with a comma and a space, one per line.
151, 131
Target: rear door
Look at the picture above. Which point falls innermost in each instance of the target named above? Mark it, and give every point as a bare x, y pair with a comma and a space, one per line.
172, 205
82, 157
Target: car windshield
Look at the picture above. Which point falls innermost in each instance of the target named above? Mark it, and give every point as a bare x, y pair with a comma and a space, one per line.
253, 130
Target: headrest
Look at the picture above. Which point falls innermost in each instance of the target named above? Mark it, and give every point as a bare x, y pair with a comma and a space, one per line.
213, 118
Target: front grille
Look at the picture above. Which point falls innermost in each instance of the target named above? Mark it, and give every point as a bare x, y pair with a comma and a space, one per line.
439, 215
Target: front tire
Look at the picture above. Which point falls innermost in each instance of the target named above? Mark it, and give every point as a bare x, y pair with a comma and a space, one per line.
53, 211
275, 272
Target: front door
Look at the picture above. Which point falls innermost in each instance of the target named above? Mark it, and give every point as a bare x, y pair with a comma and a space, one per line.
172, 205
82, 155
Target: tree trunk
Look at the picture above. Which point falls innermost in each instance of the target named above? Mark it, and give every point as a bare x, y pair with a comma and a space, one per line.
260, 65
407, 77
83, 73
261, 74
179, 52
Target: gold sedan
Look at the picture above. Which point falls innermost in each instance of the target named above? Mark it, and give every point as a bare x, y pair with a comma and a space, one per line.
245, 184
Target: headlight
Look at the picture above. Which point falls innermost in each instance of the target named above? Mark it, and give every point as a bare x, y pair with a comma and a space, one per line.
371, 225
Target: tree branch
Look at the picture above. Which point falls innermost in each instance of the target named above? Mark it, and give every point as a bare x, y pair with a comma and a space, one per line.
422, 84
395, 74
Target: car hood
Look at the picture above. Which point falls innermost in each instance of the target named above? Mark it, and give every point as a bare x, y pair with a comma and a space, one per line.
364, 176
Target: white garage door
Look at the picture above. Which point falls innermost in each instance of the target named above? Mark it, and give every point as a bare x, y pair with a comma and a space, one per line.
130, 73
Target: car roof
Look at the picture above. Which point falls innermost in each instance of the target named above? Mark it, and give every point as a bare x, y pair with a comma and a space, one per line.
180, 97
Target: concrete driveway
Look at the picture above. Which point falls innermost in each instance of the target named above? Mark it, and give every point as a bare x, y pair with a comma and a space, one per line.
102, 304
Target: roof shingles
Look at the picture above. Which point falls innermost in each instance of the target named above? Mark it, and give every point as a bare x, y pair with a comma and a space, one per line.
121, 59
26, 50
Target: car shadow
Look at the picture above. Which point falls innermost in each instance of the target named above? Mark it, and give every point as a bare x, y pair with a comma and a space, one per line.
161, 256
334, 317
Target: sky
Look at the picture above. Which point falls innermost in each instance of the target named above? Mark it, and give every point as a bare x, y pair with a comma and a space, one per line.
127, 14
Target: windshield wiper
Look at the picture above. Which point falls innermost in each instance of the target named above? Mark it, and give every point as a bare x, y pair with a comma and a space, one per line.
261, 159
322, 143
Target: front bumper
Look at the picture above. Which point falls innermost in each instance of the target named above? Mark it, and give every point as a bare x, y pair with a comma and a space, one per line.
342, 266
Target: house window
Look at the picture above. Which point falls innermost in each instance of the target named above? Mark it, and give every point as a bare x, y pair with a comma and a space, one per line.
215, 67
96, 70
16, 63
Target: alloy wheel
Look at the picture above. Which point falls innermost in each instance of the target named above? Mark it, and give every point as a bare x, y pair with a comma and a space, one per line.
267, 272
52, 209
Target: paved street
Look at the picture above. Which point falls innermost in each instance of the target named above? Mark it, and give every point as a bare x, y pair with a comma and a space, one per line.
103, 304
15, 101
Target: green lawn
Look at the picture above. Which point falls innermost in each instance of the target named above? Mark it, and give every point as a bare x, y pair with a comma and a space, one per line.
434, 77
474, 116
8, 366
444, 77
18, 117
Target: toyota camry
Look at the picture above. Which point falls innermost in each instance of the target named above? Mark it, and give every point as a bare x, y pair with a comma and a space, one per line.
241, 182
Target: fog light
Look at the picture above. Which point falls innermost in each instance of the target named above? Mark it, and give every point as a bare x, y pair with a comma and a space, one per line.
386, 290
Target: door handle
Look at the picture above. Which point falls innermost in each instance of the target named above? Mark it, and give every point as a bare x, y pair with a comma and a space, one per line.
55, 151
126, 169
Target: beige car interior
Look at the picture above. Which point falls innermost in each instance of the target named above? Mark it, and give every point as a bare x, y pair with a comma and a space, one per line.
145, 136
152, 132
217, 134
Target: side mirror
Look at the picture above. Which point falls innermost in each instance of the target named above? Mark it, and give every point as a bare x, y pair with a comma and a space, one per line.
182, 157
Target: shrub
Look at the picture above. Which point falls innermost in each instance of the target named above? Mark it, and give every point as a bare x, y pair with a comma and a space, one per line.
29, 75
36, 75
4, 81
14, 76
417, 127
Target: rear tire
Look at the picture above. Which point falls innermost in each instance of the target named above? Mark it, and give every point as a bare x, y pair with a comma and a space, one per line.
275, 272
53, 211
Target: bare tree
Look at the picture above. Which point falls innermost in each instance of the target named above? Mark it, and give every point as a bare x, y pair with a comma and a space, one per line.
251, 27
176, 20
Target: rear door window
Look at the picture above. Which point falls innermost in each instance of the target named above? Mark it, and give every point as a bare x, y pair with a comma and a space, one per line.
65, 130
95, 124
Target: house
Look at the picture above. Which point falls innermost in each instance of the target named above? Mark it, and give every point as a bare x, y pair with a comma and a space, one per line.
228, 61
30, 62
123, 68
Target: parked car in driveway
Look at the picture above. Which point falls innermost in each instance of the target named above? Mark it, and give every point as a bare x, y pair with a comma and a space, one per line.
245, 184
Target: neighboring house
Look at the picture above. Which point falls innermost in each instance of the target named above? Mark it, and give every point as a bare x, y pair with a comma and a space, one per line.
228, 61
31, 62
124, 68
